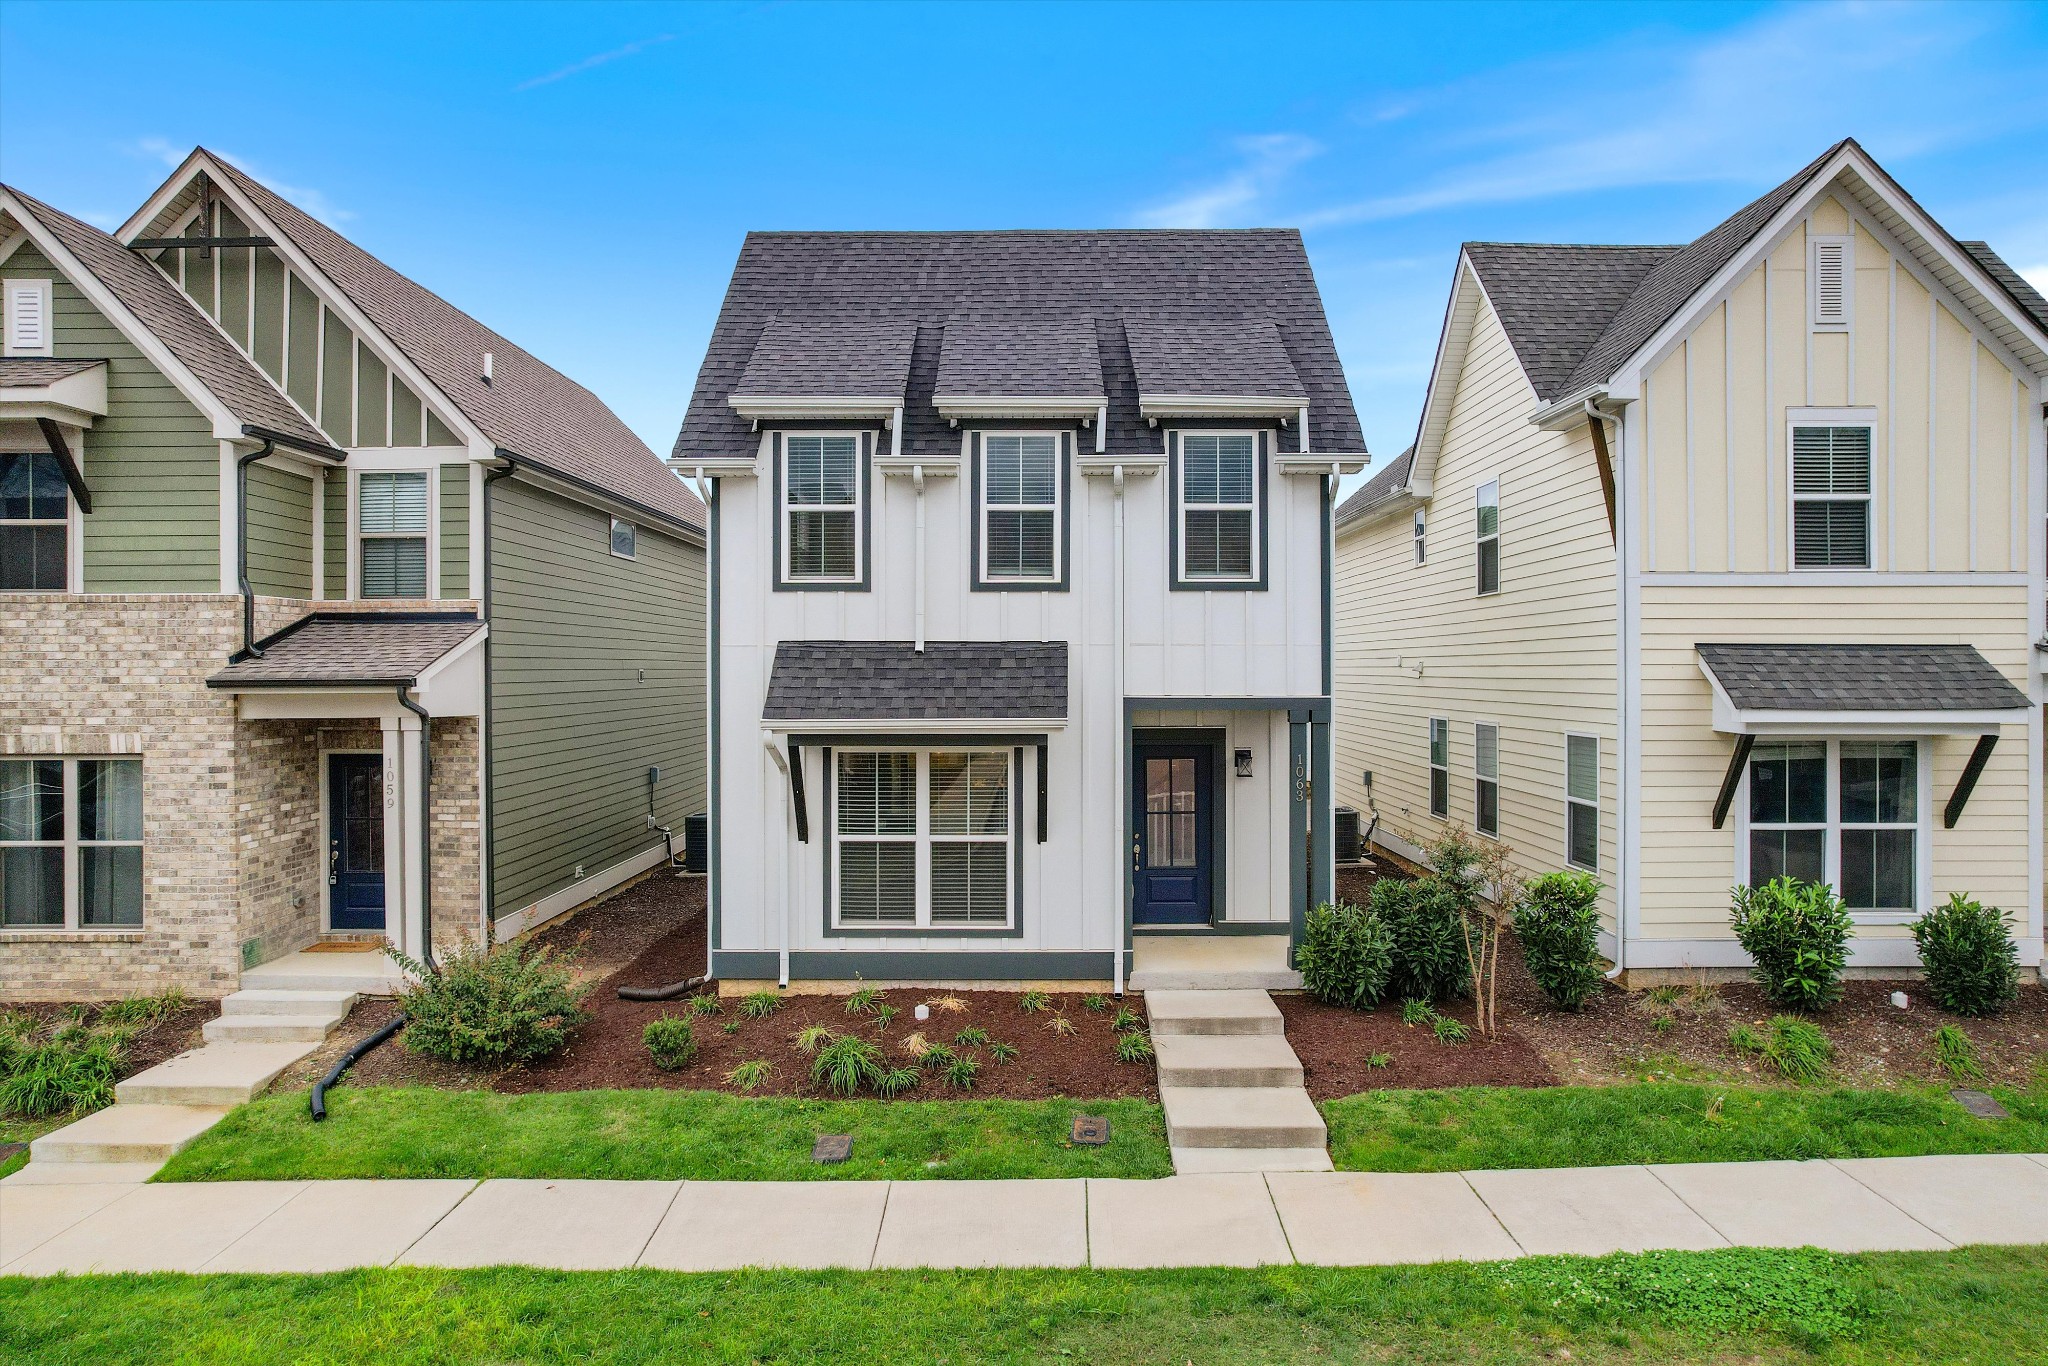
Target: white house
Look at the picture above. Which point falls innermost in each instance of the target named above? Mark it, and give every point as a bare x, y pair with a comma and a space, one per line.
1719, 561
1020, 599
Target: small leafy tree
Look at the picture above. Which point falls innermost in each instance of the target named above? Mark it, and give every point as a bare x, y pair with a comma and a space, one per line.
1345, 957
1467, 871
1967, 950
1797, 934
515, 1003
1558, 923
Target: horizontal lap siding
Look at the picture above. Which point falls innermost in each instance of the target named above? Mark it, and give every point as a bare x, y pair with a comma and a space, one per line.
1688, 866
280, 532
455, 531
574, 728
1538, 659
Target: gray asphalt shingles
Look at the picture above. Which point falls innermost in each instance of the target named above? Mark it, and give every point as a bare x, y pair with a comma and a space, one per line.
883, 680
1802, 677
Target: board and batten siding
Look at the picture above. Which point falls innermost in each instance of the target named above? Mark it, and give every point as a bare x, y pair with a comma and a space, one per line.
152, 462
1538, 659
597, 676
1949, 477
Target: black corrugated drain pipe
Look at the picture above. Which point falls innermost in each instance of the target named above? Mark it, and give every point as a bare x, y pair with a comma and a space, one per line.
317, 1103
249, 650
426, 828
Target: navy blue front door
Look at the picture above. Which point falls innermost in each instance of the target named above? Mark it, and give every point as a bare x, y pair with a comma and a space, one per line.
355, 841
1170, 800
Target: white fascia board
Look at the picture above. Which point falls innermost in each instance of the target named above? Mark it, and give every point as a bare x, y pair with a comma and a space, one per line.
1310, 463
905, 467
1467, 293
1073, 408
639, 514
912, 725
803, 408
83, 394
717, 466
1401, 501
1133, 465
1570, 411
1217, 405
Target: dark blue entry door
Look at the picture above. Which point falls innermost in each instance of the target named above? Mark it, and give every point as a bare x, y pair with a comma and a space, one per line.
1170, 795
355, 841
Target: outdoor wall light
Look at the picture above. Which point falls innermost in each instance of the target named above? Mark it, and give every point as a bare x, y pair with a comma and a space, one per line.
1244, 763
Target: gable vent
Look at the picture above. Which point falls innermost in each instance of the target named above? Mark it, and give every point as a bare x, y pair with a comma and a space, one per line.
1830, 265
28, 317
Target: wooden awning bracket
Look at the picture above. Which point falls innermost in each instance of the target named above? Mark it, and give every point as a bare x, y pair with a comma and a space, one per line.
1967, 783
796, 793
1732, 779
73, 475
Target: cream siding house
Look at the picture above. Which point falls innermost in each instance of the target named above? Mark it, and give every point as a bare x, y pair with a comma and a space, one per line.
1763, 583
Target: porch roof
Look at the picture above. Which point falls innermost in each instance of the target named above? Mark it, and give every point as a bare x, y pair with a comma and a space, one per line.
866, 680
351, 649
1765, 685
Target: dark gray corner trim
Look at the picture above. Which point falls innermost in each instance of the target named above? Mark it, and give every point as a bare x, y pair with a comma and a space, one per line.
1315, 708
977, 583
920, 965
784, 584
1263, 520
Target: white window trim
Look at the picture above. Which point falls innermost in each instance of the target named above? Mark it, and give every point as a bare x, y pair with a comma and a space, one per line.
45, 288
432, 469
1479, 778
1435, 768
1831, 841
923, 839
1421, 536
1814, 243
1570, 801
74, 908
858, 507
1180, 496
74, 529
1057, 507
1824, 417
1478, 497
612, 539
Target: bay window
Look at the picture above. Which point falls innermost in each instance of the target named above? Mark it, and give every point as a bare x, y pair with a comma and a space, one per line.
70, 843
1850, 813
923, 839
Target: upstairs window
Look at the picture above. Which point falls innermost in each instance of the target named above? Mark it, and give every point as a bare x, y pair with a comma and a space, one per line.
1488, 531
1421, 539
35, 530
1831, 497
625, 539
1020, 481
822, 488
923, 839
1830, 271
1582, 802
1218, 510
1486, 778
29, 330
1439, 767
391, 533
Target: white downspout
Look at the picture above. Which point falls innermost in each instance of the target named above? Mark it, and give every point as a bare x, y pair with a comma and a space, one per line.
781, 865
1301, 430
703, 490
1122, 750
1101, 428
1623, 652
917, 482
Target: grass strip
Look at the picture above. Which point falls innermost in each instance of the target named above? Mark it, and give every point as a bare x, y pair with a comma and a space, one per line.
663, 1135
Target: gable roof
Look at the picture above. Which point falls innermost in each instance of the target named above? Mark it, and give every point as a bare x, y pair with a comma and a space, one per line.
2014, 283
528, 409
1380, 489
191, 337
1555, 301
1194, 277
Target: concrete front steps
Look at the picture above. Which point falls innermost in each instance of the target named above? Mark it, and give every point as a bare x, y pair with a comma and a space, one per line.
273, 1015
126, 1134
363, 974
1231, 1086
1212, 962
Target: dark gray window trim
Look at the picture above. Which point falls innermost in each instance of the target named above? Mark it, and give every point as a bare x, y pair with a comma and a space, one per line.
1217, 741
979, 584
1177, 582
830, 834
784, 584
927, 965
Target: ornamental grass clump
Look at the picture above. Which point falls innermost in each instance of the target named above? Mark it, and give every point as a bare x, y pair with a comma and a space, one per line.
71, 1070
846, 1064
1796, 1047
1966, 948
1797, 934
670, 1042
516, 1003
1558, 923
1346, 956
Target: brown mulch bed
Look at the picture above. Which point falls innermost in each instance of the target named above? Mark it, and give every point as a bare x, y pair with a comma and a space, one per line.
159, 1042
1334, 1044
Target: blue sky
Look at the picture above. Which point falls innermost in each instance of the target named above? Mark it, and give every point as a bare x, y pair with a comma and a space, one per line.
580, 176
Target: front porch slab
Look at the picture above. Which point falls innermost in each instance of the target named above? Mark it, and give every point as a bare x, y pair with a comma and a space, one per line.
1212, 962
805, 1225
364, 974
335, 1225
1383, 1218
984, 1223
1184, 1221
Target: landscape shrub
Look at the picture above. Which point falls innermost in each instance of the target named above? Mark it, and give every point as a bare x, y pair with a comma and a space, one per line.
846, 1063
1558, 923
670, 1042
1345, 957
1427, 936
1795, 1047
1972, 965
1957, 1053
516, 1003
1797, 934
71, 1070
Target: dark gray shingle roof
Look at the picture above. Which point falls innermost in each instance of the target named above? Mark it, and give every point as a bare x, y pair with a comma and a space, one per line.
1555, 301
36, 371
1859, 678
529, 408
389, 648
1378, 489
843, 680
2014, 283
1019, 357
836, 360
928, 278
1179, 355
173, 319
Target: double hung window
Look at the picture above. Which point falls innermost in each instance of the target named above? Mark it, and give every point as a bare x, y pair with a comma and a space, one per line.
70, 843
1831, 497
35, 530
1020, 507
1582, 801
1219, 506
923, 838
1421, 538
1849, 813
1488, 528
391, 533
821, 507
1439, 767
625, 539
1486, 778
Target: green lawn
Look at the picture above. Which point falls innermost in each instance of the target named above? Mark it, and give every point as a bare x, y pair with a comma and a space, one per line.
24, 1129
663, 1135
1592, 1126
1986, 1305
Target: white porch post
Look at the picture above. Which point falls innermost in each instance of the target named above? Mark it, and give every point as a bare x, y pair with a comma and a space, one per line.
395, 868
412, 765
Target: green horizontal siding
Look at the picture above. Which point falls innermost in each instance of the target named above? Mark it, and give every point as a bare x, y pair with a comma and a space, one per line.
574, 726
280, 532
334, 528
152, 462
455, 531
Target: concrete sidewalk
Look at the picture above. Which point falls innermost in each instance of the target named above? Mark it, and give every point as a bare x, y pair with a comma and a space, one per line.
1248, 1219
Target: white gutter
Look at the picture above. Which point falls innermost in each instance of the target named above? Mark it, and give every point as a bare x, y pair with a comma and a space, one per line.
1301, 431
1122, 750
917, 482
1101, 428
781, 865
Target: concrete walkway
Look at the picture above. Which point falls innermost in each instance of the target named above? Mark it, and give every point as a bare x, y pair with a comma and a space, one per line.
1240, 1219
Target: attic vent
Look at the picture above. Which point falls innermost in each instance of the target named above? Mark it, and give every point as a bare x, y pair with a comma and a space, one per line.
1830, 268
28, 317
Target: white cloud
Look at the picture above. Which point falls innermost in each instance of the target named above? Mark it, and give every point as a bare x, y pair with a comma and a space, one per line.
161, 149
1264, 162
311, 200
2037, 276
577, 68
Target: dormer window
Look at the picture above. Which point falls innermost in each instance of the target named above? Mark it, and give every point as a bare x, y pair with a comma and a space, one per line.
1020, 496
821, 480
1218, 510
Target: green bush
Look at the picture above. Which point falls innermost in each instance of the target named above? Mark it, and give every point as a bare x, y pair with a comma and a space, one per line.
846, 1064
1427, 937
1797, 934
1558, 923
670, 1042
511, 1004
1967, 950
72, 1070
1345, 956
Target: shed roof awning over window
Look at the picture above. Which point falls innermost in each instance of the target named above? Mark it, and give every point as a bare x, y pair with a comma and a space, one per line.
950, 685
826, 369
1196, 366
1778, 689
1020, 366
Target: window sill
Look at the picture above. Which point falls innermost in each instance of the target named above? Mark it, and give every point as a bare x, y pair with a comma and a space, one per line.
1883, 917
54, 935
